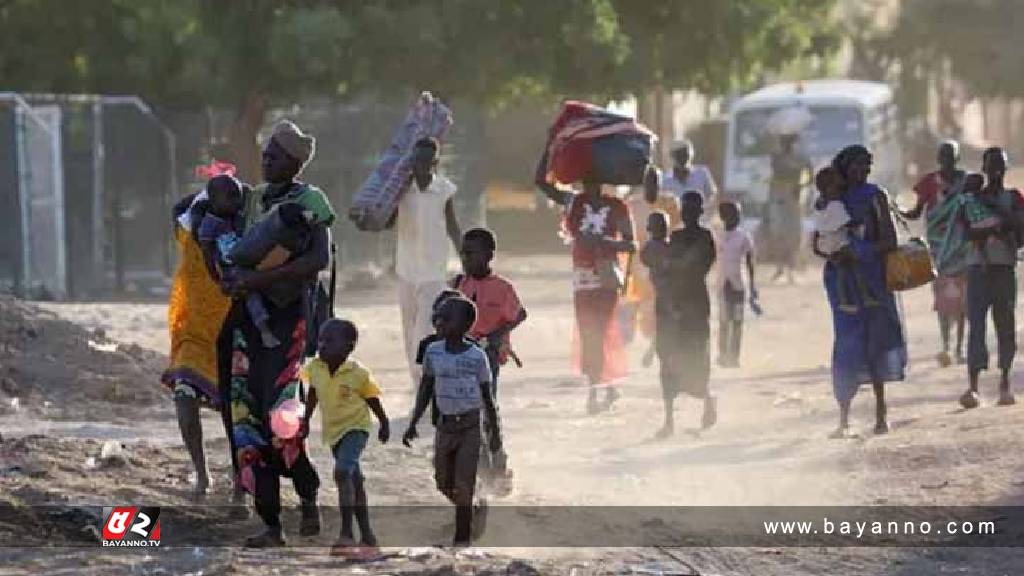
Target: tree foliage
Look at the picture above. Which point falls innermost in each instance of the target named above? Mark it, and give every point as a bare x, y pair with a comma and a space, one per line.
249, 55
979, 38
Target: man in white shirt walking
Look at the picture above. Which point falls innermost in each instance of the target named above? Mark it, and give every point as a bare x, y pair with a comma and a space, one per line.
425, 216
686, 176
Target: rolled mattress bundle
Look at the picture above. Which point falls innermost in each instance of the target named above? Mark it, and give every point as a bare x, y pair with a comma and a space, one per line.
375, 203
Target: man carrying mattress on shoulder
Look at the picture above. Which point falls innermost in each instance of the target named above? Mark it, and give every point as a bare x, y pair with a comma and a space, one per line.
425, 215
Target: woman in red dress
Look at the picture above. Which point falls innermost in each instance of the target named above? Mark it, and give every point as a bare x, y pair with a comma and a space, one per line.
601, 228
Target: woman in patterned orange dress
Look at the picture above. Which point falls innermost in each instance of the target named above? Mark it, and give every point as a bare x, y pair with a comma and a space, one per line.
196, 312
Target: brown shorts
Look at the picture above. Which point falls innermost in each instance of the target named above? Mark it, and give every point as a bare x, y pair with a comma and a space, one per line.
456, 453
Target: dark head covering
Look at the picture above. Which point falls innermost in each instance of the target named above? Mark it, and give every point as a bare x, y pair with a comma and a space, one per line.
846, 157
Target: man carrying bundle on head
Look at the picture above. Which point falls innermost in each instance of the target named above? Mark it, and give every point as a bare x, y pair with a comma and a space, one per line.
425, 224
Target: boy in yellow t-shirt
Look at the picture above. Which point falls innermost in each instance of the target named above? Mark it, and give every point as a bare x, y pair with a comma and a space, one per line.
347, 393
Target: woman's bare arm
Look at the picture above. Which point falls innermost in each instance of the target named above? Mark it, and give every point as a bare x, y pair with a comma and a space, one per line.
555, 194
626, 244
886, 241
915, 212
814, 246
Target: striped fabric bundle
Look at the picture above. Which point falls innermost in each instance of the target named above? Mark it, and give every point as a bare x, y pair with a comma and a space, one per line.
375, 203
587, 142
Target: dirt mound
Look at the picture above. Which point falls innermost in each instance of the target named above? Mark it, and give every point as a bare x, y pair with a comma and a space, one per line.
60, 369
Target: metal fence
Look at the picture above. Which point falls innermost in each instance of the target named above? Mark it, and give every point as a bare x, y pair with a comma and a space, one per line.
88, 181
86, 189
33, 257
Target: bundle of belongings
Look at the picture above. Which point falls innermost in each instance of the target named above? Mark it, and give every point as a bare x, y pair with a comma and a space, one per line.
589, 143
376, 202
283, 232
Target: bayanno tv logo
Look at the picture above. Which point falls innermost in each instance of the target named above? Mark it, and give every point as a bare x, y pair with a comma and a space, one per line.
131, 526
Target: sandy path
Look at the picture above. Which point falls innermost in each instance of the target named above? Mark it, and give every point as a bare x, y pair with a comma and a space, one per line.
770, 446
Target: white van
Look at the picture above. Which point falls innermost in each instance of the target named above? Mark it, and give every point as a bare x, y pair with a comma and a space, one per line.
844, 112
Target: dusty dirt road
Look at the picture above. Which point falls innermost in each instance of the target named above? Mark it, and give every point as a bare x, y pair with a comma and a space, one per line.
769, 448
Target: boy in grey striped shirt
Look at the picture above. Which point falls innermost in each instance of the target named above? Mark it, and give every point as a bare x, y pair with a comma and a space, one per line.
457, 375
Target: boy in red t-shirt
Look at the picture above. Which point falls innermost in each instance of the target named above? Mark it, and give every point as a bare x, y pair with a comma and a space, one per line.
499, 312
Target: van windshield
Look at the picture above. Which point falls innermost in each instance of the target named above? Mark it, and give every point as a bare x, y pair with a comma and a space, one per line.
832, 128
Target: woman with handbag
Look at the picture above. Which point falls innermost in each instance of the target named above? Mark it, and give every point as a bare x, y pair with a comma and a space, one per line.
869, 344
600, 228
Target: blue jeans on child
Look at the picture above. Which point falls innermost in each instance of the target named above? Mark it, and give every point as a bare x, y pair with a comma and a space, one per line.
348, 451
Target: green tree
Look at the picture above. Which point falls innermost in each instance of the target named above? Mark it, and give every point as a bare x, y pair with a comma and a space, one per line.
718, 46
252, 55
974, 41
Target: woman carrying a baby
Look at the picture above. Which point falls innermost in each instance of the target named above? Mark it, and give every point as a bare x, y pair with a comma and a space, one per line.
258, 373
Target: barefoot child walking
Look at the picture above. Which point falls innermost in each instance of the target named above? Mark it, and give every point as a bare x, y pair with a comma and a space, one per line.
683, 306
735, 247
499, 312
457, 375
346, 393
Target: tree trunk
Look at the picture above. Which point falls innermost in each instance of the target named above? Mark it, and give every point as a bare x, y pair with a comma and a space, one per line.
655, 111
243, 134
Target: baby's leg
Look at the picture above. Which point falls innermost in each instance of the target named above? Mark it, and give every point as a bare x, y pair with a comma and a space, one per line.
843, 289
862, 287
260, 317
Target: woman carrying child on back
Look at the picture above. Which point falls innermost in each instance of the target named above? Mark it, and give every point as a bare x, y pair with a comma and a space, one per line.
869, 344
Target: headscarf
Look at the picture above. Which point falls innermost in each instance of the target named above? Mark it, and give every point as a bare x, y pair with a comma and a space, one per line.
681, 144
847, 156
295, 142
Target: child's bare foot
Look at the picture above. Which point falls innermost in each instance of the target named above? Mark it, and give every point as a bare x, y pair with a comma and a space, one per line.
269, 538
943, 359
610, 396
710, 416
479, 525
728, 363
969, 400
593, 406
343, 546
1006, 398
201, 487
309, 525
840, 433
666, 431
268, 338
